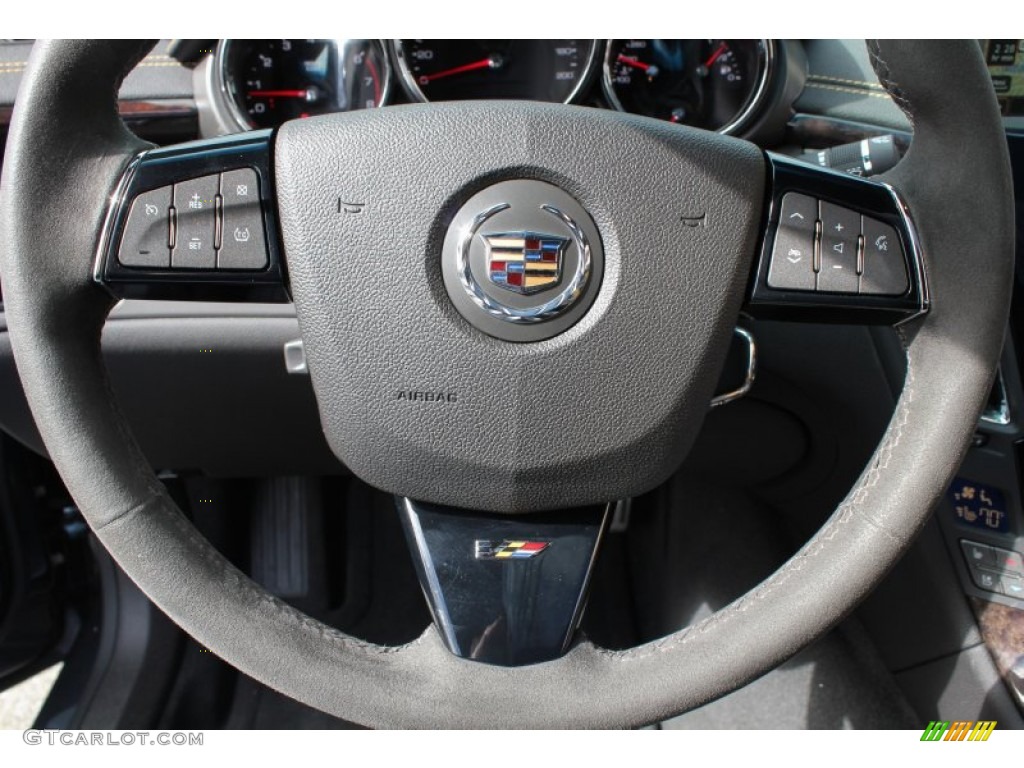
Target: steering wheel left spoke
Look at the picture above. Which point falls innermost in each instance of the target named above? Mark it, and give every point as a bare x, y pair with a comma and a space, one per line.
195, 221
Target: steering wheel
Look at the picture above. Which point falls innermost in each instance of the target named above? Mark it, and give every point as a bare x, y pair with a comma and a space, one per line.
437, 382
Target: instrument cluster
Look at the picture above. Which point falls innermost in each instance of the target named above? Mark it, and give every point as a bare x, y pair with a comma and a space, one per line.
718, 85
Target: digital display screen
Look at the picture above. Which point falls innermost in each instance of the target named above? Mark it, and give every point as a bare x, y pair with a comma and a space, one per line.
979, 505
1005, 59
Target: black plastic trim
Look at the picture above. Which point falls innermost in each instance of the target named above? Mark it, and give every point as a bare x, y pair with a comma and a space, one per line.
868, 197
160, 167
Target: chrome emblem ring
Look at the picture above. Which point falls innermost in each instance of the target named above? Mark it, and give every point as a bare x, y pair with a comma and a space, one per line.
550, 307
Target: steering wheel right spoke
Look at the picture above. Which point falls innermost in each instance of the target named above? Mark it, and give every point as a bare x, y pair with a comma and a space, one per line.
195, 221
837, 248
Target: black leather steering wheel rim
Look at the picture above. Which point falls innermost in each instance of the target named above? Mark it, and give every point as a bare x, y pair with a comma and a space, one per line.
65, 153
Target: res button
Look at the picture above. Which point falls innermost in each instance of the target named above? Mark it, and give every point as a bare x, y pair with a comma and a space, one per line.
195, 203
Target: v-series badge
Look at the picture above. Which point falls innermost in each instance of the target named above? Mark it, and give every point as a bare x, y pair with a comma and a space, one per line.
508, 550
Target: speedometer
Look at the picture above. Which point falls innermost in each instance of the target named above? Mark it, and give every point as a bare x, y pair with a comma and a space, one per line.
536, 70
714, 84
270, 81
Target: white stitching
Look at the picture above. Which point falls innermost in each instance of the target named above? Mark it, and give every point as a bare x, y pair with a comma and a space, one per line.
875, 52
841, 89
847, 81
235, 580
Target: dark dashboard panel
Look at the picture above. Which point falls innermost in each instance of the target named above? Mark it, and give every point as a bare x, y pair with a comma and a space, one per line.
204, 387
842, 84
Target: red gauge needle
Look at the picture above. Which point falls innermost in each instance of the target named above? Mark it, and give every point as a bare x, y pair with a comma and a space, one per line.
297, 93
482, 64
631, 62
722, 48
285, 94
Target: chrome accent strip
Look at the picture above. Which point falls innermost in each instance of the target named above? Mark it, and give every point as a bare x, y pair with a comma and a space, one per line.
295, 357
1000, 415
753, 104
916, 255
436, 598
621, 513
748, 379
865, 156
547, 310
414, 92
114, 206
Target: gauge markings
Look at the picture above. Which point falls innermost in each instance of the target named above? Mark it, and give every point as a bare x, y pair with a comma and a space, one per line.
536, 70
271, 81
703, 83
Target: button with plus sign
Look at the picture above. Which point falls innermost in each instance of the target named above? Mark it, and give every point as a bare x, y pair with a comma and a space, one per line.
840, 228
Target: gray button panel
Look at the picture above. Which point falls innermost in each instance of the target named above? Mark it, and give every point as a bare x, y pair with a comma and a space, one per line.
824, 247
993, 569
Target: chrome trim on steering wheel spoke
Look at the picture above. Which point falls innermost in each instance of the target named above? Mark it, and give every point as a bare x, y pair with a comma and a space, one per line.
751, 374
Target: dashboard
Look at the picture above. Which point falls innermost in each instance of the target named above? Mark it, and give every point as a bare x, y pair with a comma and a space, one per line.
719, 85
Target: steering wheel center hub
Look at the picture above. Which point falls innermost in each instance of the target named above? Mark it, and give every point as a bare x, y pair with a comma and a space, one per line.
522, 260
578, 248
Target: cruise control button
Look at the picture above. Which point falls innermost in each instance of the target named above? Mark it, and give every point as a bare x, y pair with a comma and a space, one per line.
146, 238
242, 243
194, 205
840, 230
885, 269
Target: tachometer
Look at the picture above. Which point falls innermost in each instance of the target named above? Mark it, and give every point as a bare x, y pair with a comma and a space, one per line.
537, 70
714, 84
270, 81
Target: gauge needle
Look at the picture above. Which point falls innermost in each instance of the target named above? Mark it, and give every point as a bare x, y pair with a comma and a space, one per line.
482, 64
722, 48
631, 62
285, 94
